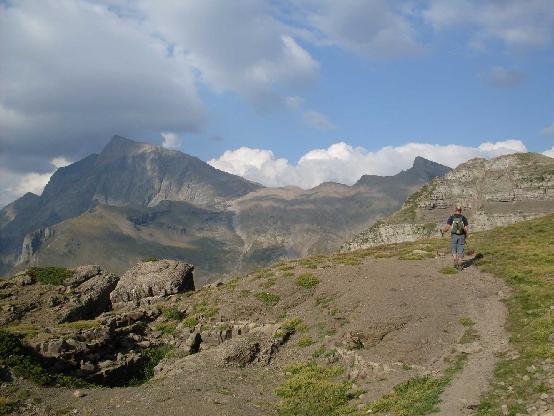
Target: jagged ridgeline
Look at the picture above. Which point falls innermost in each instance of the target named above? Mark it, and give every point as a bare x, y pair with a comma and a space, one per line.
134, 201
495, 192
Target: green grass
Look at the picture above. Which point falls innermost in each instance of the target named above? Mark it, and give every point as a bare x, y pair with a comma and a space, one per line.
205, 309
152, 357
293, 325
466, 321
85, 324
49, 275
173, 314
269, 299
312, 390
448, 270
307, 280
166, 328
190, 321
418, 396
305, 341
7, 406
522, 255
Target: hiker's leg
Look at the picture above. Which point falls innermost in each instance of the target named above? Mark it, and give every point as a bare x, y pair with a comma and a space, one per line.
454, 249
461, 249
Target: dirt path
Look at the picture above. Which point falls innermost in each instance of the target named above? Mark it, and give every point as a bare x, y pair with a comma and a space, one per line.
489, 315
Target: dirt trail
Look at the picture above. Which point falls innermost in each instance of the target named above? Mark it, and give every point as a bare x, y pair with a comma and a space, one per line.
489, 315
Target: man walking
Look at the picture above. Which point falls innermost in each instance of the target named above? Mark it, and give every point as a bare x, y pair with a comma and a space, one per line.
458, 226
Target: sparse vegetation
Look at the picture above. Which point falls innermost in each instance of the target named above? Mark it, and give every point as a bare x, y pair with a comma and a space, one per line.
466, 321
7, 406
522, 255
166, 328
417, 396
49, 275
152, 357
190, 321
270, 282
307, 280
25, 364
312, 390
270, 299
149, 259
173, 314
293, 325
305, 341
448, 270
204, 309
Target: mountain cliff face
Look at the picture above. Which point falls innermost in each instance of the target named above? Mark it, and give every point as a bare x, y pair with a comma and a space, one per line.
493, 192
135, 200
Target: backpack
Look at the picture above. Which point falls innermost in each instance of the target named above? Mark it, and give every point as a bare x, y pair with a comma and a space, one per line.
458, 225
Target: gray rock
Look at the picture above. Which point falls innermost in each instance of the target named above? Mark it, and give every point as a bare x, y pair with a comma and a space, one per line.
81, 274
91, 298
153, 279
23, 279
256, 347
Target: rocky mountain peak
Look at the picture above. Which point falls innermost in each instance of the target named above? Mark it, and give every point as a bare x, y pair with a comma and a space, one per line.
428, 167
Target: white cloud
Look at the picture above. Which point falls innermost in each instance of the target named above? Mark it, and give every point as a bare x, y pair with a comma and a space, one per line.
344, 163
170, 140
504, 77
15, 184
370, 28
549, 153
294, 102
518, 24
548, 129
317, 120
235, 45
74, 72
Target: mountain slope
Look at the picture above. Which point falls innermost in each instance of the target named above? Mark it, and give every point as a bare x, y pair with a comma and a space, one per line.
188, 210
493, 192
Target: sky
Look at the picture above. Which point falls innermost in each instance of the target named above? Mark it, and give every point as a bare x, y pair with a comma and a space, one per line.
291, 92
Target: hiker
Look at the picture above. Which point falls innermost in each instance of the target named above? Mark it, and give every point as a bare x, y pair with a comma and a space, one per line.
458, 226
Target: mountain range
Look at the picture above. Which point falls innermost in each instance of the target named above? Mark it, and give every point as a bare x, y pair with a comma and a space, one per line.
136, 200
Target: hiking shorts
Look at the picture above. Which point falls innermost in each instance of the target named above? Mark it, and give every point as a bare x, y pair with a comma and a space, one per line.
457, 243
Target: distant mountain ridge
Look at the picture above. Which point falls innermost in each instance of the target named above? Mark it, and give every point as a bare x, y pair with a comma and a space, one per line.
493, 192
135, 200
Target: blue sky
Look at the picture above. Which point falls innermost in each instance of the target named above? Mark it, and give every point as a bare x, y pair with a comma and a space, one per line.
291, 92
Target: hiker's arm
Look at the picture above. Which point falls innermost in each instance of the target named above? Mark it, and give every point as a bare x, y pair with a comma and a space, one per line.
445, 228
466, 230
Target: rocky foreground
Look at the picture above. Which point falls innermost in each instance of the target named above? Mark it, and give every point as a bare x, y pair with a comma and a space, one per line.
367, 323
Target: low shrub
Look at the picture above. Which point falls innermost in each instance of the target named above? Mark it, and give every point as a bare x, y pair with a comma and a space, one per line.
307, 280
49, 275
270, 299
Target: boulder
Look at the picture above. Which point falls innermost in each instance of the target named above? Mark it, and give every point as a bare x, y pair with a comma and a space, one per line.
81, 274
153, 279
256, 347
90, 298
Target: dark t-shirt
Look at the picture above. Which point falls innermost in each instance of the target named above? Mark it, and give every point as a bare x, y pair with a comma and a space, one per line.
464, 219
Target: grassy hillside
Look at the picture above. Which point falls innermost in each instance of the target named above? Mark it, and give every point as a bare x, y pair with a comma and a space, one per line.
523, 255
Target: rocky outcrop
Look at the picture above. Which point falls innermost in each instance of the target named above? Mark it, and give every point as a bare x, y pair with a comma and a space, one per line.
88, 293
391, 234
153, 279
495, 192
32, 242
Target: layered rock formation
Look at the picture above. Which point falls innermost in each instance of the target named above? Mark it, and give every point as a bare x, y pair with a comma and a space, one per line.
493, 192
